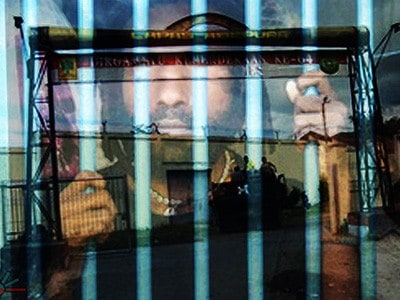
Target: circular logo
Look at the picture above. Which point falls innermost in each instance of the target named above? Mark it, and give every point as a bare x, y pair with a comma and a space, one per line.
329, 65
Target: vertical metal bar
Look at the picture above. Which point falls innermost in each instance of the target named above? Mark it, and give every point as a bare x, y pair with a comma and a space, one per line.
366, 129
313, 227
87, 145
33, 257
4, 200
142, 161
53, 154
142, 171
382, 161
200, 164
141, 117
29, 9
366, 150
254, 115
142, 148
4, 119
310, 20
311, 180
365, 10
254, 105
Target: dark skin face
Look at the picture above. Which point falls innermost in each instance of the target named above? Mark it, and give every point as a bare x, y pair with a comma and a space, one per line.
171, 97
171, 103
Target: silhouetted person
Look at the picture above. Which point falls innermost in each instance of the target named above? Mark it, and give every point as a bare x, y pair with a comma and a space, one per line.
248, 164
270, 195
237, 178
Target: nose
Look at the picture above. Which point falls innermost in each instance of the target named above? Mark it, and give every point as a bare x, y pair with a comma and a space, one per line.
171, 96
172, 90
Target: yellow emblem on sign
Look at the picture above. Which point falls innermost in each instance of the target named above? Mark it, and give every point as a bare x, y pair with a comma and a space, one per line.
67, 69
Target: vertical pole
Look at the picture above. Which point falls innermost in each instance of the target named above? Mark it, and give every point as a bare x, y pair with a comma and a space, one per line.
29, 11
4, 118
311, 180
254, 101
366, 107
310, 20
33, 259
53, 153
142, 175
254, 109
200, 164
313, 224
87, 144
142, 161
366, 141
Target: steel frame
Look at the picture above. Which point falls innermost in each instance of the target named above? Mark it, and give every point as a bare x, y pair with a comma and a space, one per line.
41, 141
373, 170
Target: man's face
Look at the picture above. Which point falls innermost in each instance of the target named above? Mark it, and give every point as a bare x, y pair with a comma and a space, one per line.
171, 96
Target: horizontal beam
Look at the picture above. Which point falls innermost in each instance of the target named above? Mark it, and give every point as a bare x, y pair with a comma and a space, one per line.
57, 38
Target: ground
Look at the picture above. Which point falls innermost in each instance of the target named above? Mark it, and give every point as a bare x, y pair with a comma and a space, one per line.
341, 263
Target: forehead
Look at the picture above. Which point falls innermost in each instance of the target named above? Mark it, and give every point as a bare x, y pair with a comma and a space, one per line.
171, 72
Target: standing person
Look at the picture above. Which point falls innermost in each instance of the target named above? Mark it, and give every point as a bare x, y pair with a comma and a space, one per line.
268, 168
270, 195
266, 163
237, 178
248, 164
